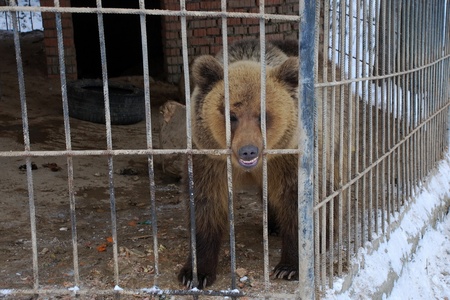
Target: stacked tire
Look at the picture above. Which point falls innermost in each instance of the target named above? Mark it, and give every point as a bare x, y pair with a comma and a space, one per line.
86, 102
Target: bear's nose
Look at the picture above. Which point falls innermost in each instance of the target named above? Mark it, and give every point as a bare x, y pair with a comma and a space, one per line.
248, 153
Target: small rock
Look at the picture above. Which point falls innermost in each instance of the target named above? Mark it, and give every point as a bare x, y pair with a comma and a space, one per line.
24, 167
128, 171
243, 279
241, 272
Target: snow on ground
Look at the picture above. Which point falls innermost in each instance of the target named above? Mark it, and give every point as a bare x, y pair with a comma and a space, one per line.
427, 276
424, 274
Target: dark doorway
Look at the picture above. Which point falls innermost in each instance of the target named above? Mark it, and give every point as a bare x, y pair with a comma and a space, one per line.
122, 40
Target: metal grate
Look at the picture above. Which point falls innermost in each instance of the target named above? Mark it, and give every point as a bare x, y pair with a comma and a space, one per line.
381, 86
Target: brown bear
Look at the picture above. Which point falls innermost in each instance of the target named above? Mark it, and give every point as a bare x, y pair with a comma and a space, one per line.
208, 129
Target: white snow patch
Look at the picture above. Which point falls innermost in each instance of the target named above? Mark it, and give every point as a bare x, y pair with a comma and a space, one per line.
74, 289
422, 275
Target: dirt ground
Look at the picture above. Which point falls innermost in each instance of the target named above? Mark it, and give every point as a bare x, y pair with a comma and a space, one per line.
93, 214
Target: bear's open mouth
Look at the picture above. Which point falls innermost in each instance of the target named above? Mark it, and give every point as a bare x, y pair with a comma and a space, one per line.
248, 163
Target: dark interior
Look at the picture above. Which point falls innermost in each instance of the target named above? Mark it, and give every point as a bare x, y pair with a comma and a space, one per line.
122, 40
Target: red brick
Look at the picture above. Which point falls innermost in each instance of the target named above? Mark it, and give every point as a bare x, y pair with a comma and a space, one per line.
210, 5
240, 30
192, 6
50, 42
199, 32
253, 29
213, 31
248, 21
234, 21
241, 3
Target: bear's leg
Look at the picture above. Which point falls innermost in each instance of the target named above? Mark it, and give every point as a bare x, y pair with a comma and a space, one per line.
211, 211
283, 195
287, 268
273, 227
208, 247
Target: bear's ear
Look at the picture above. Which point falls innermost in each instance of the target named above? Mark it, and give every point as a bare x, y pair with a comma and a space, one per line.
206, 71
287, 72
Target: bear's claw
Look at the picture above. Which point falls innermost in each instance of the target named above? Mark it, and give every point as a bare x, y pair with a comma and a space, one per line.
283, 271
204, 280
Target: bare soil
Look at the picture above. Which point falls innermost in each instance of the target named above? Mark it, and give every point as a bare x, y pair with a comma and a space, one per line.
93, 210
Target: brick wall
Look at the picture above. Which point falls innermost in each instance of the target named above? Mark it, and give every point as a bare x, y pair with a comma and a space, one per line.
51, 42
205, 34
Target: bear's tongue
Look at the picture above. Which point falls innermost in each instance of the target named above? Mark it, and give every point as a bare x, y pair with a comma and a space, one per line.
248, 163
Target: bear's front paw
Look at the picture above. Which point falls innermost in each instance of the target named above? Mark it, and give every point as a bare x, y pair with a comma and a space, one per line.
204, 278
285, 271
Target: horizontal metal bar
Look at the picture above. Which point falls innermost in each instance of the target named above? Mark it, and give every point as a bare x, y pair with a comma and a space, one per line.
386, 154
373, 78
132, 152
119, 291
151, 12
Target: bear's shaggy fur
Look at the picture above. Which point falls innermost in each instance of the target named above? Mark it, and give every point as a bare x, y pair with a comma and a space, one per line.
210, 171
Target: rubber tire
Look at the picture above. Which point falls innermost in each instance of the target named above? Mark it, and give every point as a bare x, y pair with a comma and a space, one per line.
86, 102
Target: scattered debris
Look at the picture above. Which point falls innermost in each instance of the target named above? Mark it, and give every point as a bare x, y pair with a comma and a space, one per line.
146, 222
24, 167
241, 272
102, 248
44, 251
126, 252
128, 172
52, 166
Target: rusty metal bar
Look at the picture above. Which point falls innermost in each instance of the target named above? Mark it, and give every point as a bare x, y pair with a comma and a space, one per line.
70, 175
265, 193
27, 146
149, 138
306, 121
112, 197
228, 145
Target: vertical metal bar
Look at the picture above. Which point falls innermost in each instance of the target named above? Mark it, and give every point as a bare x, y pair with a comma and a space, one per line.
262, 46
228, 144
342, 58
364, 121
406, 117
370, 105
421, 91
317, 257
383, 119
351, 124
398, 101
415, 100
112, 197
324, 139
390, 33
377, 137
149, 138
27, 146
331, 216
72, 200
306, 145
357, 126
189, 142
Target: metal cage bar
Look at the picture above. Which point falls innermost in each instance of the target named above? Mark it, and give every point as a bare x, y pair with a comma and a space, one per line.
393, 124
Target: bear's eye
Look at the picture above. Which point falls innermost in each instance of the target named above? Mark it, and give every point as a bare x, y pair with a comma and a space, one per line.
233, 118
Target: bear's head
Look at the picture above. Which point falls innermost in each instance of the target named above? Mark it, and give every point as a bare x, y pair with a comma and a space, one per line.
208, 108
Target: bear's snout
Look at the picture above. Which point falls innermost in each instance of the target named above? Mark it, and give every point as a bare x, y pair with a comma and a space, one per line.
248, 156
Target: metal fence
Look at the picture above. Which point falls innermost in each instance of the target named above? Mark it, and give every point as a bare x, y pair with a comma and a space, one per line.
382, 103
